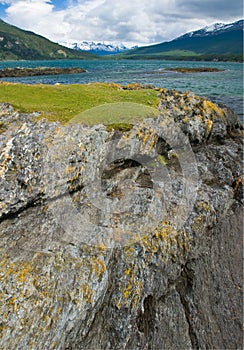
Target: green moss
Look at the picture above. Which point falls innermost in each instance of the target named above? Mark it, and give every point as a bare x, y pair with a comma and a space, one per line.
163, 160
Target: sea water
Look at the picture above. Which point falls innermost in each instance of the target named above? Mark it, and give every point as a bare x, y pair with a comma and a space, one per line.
224, 87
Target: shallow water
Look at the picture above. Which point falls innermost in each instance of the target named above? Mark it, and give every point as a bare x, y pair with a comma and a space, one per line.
225, 87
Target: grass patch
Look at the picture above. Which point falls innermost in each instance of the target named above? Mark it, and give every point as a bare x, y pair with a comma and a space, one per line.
64, 102
118, 113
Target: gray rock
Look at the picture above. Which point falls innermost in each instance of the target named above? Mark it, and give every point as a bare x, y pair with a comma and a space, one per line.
128, 240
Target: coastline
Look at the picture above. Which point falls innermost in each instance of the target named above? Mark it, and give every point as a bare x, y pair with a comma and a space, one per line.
223, 87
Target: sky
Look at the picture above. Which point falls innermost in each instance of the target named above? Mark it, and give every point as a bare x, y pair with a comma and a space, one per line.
132, 22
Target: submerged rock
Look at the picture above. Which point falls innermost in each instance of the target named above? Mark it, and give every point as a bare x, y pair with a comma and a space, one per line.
122, 240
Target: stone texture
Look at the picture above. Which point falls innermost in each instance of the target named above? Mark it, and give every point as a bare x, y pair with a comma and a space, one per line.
79, 271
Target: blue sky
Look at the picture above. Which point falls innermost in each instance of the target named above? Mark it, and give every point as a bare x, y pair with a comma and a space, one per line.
2, 10
131, 22
60, 4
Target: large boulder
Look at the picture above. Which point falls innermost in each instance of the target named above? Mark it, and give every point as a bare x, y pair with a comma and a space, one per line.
122, 240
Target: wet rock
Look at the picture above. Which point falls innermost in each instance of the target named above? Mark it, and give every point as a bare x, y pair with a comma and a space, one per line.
129, 240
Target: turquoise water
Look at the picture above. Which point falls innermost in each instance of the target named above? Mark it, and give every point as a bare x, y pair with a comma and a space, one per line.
225, 87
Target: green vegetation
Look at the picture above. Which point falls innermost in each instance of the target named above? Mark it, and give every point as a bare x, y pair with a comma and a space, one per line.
116, 114
65, 102
18, 44
179, 53
176, 54
171, 57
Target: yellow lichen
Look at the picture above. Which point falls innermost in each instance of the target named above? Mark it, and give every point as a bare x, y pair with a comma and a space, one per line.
87, 292
130, 251
36, 290
203, 205
208, 105
53, 345
136, 294
197, 224
200, 118
127, 291
153, 141
209, 125
69, 169
147, 136
102, 266
101, 247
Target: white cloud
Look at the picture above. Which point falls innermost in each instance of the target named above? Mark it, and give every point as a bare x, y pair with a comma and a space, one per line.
135, 21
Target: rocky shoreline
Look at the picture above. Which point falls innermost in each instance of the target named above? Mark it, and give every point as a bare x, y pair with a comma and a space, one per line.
27, 72
76, 275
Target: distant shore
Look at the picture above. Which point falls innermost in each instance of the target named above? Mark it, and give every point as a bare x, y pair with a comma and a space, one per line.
27, 72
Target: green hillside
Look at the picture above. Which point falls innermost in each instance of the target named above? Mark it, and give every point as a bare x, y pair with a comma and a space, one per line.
18, 44
226, 44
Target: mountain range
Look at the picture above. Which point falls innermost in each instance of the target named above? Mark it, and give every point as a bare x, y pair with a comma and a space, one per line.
18, 44
216, 42
98, 48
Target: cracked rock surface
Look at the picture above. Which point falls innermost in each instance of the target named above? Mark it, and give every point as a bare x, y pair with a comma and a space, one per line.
122, 240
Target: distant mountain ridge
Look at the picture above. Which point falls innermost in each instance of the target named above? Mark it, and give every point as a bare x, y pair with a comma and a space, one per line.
98, 48
18, 44
216, 42
214, 29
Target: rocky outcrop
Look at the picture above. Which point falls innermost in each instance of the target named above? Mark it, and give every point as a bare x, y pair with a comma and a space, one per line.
122, 240
27, 72
194, 69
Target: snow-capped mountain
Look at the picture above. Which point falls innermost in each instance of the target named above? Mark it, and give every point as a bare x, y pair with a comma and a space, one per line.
214, 29
98, 48
215, 42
